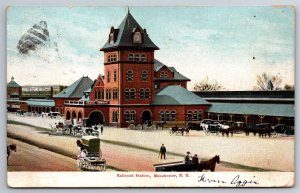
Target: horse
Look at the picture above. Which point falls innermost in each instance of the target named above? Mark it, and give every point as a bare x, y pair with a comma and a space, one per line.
12, 147
210, 164
225, 129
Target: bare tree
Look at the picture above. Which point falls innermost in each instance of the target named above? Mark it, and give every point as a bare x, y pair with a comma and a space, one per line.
207, 85
267, 81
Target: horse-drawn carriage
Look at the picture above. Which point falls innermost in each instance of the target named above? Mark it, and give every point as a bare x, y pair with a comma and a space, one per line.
188, 166
92, 159
280, 129
212, 129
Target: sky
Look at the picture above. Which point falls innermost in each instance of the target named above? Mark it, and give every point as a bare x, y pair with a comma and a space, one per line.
218, 43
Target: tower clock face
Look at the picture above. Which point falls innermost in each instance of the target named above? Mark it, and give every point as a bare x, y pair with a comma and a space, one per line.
137, 37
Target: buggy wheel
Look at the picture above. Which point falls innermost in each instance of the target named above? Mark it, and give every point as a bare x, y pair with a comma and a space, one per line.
131, 126
207, 132
274, 134
139, 127
152, 127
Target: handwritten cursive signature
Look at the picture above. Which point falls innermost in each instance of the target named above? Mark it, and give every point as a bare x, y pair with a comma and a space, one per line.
237, 181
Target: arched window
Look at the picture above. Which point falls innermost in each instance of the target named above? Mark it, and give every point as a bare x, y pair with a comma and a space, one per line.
162, 116
115, 117
164, 74
127, 116
127, 93
102, 94
143, 58
167, 114
195, 117
132, 93
142, 93
106, 94
98, 94
108, 76
109, 94
144, 75
199, 115
173, 115
130, 57
115, 75
147, 93
130, 75
189, 116
112, 58
137, 57
115, 93
132, 116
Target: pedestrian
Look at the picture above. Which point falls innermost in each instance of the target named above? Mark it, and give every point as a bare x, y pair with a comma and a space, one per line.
195, 159
101, 128
187, 158
162, 151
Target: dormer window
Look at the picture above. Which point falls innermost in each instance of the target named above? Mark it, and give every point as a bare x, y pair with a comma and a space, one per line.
137, 36
113, 35
111, 38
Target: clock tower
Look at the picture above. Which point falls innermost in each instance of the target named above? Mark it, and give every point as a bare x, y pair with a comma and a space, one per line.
129, 64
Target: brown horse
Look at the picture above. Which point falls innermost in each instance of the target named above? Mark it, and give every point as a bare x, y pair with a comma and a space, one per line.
12, 147
210, 164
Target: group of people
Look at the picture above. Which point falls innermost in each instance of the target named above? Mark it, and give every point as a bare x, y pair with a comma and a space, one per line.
191, 159
187, 159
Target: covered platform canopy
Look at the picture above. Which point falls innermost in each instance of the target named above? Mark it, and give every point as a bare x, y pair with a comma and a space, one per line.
277, 110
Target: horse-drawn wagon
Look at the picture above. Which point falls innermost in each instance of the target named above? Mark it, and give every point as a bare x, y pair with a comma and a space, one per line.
92, 159
181, 166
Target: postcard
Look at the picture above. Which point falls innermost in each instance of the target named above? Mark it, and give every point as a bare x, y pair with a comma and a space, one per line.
150, 96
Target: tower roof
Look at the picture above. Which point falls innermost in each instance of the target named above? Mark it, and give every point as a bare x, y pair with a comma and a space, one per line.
13, 84
123, 37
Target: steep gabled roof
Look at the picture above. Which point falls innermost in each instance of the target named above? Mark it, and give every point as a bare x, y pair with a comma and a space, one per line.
177, 95
124, 36
177, 76
76, 89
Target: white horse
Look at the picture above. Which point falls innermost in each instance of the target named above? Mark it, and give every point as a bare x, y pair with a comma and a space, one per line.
222, 126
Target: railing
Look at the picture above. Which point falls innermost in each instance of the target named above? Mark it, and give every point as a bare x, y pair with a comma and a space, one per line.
82, 103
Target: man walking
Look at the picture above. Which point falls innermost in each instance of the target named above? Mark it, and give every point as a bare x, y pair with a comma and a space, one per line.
163, 151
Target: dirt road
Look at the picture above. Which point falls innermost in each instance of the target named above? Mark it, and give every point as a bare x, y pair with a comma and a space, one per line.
32, 158
122, 157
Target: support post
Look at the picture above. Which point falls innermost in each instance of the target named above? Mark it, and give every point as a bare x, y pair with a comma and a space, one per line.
246, 118
261, 118
278, 119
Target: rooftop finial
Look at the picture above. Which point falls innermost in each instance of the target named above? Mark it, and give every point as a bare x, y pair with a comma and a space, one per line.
12, 78
127, 10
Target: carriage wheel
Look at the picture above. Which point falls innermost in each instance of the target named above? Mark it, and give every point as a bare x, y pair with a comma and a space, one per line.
139, 127
131, 126
274, 134
152, 127
207, 132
